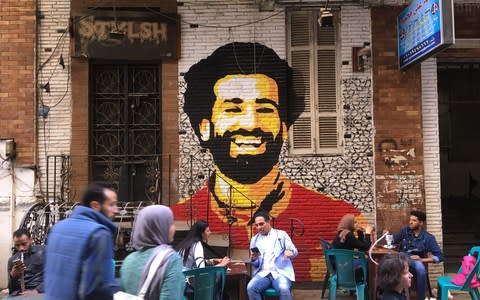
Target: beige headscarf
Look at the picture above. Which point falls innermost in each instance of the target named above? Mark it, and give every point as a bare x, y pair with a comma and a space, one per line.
346, 225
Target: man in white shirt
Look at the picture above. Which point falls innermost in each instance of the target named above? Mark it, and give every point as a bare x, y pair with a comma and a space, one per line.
271, 251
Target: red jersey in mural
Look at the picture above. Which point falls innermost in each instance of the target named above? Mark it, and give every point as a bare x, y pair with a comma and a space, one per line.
319, 213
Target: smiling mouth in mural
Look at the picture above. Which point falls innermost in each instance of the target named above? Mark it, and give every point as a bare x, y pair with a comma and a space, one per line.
247, 145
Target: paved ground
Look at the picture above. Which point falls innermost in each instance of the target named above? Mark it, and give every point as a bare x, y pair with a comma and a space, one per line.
302, 294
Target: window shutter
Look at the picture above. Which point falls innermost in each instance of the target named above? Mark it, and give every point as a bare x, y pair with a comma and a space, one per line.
327, 92
313, 58
302, 131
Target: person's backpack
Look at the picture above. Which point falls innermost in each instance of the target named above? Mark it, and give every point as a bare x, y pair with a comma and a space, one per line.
467, 265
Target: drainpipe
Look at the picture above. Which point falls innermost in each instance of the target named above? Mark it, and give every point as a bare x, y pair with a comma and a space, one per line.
36, 93
13, 197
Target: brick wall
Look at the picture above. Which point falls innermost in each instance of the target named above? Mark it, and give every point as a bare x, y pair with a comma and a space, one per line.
54, 129
17, 117
17, 63
397, 114
431, 144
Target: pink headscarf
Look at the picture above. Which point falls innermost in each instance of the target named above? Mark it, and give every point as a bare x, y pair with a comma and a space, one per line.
346, 225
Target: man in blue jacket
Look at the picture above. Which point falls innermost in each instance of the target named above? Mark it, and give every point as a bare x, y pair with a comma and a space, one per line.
80, 250
418, 243
271, 253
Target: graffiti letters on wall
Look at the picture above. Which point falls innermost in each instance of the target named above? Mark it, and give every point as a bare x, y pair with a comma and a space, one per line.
131, 34
236, 103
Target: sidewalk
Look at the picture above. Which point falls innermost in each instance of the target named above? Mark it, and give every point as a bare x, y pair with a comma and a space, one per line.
302, 294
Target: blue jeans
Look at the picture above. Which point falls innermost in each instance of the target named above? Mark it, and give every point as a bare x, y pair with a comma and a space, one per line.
417, 268
258, 284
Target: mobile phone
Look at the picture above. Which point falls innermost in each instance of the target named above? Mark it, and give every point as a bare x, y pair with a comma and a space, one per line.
255, 250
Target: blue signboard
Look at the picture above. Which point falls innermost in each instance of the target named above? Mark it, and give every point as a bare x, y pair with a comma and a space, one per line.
424, 28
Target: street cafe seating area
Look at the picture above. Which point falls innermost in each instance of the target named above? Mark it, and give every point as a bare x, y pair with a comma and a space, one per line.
343, 261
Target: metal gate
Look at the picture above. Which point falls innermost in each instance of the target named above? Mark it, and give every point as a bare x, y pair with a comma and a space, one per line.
125, 129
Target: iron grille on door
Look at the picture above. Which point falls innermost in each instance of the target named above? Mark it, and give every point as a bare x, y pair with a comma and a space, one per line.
125, 129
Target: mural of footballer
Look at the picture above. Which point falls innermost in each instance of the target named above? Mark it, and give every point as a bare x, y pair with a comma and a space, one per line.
236, 100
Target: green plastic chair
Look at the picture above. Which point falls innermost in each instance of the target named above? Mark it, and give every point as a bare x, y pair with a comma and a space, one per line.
270, 292
342, 264
207, 282
325, 246
445, 284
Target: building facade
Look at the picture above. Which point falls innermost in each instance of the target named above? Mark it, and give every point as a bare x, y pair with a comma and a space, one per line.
99, 92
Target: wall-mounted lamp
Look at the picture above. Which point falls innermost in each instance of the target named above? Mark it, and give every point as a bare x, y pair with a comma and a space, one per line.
325, 19
362, 57
115, 36
7, 148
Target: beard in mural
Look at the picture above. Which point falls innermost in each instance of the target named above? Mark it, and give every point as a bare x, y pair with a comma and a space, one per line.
246, 168
236, 100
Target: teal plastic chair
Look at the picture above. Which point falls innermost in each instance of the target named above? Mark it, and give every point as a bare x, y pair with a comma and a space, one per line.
270, 292
445, 284
342, 264
206, 282
325, 246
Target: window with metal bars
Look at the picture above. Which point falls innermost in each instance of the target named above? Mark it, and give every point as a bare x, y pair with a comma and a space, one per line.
314, 57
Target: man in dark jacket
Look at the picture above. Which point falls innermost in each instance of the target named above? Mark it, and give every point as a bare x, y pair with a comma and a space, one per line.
80, 250
417, 243
25, 264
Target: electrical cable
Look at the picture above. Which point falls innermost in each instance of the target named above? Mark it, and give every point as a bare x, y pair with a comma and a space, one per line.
213, 26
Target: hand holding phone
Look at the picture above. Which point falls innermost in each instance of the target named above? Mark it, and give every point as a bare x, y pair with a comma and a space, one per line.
17, 268
254, 253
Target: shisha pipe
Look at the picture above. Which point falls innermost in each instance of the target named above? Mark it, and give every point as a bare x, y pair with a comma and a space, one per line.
22, 275
373, 246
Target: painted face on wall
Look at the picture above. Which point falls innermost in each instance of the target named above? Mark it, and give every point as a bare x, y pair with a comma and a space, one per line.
245, 132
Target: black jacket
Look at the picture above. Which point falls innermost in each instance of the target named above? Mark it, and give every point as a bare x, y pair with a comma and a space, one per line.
33, 274
351, 243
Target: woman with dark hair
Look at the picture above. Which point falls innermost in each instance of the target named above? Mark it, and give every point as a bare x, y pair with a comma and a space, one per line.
393, 277
345, 238
191, 249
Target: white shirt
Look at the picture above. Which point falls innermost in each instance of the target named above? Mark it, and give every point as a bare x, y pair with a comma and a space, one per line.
268, 245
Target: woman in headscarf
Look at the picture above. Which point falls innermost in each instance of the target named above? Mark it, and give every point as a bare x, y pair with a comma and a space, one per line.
152, 231
345, 238
192, 248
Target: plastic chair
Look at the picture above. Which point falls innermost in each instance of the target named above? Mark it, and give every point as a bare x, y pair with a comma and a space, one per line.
325, 246
445, 284
206, 282
270, 292
342, 265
